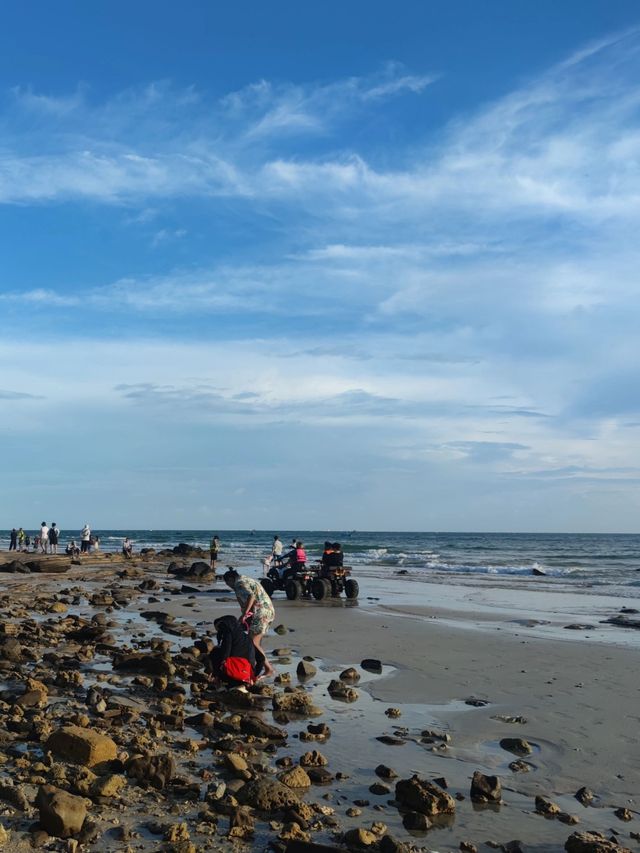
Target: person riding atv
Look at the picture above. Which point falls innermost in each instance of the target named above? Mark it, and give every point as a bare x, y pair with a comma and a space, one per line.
290, 574
333, 578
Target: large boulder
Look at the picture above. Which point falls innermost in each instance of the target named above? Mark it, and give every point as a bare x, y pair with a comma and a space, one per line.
418, 795
296, 702
267, 795
592, 842
61, 814
50, 565
82, 746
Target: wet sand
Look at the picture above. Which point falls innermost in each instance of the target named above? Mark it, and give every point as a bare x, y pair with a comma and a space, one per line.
578, 693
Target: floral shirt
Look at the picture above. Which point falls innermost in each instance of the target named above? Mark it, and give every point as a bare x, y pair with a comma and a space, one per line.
245, 588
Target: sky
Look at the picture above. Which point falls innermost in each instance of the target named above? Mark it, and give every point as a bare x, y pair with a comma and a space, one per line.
320, 265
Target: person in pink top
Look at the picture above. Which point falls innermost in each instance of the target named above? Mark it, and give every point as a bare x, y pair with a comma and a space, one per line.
301, 555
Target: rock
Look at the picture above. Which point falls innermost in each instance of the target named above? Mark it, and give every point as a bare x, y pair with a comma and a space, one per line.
416, 821
388, 844
421, 796
313, 759
569, 819
82, 746
297, 702
592, 842
108, 786
241, 823
379, 789
485, 789
584, 796
338, 690
476, 703
296, 777
546, 807
517, 745
305, 670
11, 650
267, 795
155, 770
280, 629
14, 796
320, 776
61, 814
393, 713
372, 665
389, 740
236, 763
350, 674
250, 725
146, 664
468, 847
4, 835
623, 814
519, 766
385, 772
359, 838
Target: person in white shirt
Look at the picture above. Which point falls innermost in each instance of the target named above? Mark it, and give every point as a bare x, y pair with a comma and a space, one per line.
85, 537
44, 537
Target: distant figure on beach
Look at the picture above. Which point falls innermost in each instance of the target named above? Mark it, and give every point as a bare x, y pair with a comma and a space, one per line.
21, 538
44, 537
54, 537
332, 557
13, 540
255, 606
85, 539
214, 550
235, 660
127, 548
27, 542
276, 550
72, 549
96, 543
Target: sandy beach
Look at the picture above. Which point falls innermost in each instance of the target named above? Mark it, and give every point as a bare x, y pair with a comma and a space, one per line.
572, 695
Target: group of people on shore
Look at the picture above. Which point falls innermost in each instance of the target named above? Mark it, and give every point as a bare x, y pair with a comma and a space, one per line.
295, 558
46, 541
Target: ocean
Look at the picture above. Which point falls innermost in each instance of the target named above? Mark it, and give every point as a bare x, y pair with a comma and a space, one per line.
591, 561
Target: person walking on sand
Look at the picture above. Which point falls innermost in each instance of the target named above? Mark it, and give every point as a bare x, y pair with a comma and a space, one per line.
13, 540
44, 537
256, 606
85, 539
54, 538
214, 550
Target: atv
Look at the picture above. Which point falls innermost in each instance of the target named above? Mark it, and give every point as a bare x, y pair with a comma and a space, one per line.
332, 582
296, 585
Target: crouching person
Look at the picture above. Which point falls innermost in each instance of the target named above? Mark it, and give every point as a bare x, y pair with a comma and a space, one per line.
235, 661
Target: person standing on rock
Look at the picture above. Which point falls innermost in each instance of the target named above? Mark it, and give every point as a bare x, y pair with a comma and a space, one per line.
21, 538
85, 539
44, 537
54, 538
13, 540
255, 605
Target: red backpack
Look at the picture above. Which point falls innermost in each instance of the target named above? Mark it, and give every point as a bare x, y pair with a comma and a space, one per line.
239, 669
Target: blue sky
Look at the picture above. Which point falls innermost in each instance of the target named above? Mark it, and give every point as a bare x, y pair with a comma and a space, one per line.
331, 265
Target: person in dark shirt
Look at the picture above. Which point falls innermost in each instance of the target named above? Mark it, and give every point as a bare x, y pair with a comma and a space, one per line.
235, 655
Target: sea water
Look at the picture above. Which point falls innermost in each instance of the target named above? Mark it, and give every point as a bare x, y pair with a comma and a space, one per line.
591, 561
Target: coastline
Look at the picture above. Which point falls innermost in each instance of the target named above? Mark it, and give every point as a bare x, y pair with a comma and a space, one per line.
439, 646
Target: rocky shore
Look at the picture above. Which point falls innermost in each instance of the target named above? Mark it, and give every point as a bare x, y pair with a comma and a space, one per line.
112, 737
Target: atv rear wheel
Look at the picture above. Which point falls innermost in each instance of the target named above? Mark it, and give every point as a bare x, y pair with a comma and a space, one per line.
351, 588
293, 590
320, 588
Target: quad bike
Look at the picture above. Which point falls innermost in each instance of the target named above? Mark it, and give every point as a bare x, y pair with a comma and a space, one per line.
334, 581
295, 585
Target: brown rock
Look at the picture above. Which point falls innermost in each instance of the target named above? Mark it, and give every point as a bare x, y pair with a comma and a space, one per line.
296, 777
61, 814
516, 744
546, 807
359, 838
313, 759
82, 746
485, 789
267, 795
592, 842
421, 796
